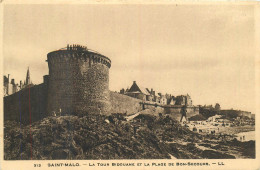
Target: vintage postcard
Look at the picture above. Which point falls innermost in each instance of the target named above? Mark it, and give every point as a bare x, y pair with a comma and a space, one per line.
133, 85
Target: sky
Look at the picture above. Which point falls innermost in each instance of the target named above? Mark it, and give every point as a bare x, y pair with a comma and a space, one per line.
206, 51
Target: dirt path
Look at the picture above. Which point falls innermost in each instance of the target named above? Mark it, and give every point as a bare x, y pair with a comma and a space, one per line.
128, 118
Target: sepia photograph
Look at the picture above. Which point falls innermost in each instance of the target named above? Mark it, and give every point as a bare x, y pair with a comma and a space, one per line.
151, 81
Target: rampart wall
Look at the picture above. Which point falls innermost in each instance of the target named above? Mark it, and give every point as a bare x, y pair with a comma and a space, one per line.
16, 106
235, 113
78, 82
175, 111
124, 104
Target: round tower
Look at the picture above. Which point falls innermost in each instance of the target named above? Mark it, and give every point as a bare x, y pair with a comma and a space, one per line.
78, 81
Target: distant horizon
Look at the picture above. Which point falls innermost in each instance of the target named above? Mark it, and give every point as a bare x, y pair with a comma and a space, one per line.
206, 51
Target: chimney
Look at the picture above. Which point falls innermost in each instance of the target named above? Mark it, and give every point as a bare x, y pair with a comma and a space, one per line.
12, 82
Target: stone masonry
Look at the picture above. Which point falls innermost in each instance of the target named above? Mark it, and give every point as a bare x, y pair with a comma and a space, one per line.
78, 81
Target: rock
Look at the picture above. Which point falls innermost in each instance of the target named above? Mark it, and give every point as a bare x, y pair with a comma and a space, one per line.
60, 154
90, 137
210, 154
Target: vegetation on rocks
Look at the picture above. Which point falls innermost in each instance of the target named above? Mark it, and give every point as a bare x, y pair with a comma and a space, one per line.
104, 137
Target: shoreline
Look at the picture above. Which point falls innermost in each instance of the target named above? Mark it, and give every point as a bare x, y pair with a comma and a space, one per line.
236, 130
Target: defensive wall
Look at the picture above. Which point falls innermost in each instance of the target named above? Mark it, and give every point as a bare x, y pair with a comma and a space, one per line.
27, 105
124, 104
235, 113
19, 105
175, 111
78, 82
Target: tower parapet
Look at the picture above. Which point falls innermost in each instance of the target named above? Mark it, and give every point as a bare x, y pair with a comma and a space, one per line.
78, 81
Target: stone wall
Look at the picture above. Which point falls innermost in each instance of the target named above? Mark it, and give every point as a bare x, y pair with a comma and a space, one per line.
124, 104
78, 82
19, 105
175, 111
235, 113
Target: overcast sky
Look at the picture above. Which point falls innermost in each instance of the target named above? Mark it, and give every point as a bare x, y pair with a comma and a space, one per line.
205, 51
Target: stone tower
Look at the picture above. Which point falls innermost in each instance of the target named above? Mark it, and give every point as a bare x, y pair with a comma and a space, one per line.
78, 81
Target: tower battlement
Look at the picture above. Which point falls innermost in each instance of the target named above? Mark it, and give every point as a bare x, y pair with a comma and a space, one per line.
73, 53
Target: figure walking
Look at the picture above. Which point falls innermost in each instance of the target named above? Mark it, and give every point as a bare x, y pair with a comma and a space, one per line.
183, 112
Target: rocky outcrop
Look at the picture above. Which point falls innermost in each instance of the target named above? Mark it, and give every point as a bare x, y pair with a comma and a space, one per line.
96, 136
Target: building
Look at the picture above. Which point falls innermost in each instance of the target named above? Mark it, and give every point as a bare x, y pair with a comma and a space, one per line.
10, 87
163, 99
183, 100
172, 101
180, 100
156, 98
150, 97
122, 91
188, 100
145, 94
6, 85
138, 92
